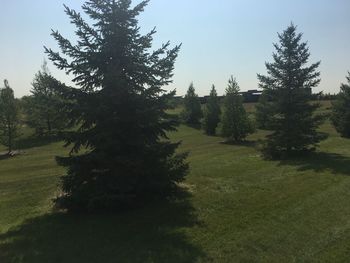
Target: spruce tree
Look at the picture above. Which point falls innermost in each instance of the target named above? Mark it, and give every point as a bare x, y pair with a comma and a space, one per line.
212, 113
120, 152
341, 110
288, 83
263, 112
192, 112
236, 125
9, 117
43, 108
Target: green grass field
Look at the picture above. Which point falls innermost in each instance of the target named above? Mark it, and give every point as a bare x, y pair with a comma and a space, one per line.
238, 208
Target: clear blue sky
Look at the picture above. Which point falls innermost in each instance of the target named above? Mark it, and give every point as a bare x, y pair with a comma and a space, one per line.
219, 38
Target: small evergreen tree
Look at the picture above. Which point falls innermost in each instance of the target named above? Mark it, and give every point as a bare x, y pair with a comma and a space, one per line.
263, 112
341, 110
235, 122
288, 83
9, 117
43, 108
212, 113
120, 152
192, 112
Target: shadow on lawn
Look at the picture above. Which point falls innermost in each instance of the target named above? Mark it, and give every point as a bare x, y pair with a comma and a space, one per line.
196, 126
245, 143
35, 141
4, 156
153, 234
321, 161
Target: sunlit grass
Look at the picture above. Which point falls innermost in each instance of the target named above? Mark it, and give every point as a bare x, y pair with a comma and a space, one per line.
238, 208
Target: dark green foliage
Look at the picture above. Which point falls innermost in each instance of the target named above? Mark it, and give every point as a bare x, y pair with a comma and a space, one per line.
341, 110
236, 125
263, 112
212, 113
288, 83
9, 117
192, 112
43, 108
120, 153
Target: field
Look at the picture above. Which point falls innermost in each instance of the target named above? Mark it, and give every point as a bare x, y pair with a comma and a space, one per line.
238, 207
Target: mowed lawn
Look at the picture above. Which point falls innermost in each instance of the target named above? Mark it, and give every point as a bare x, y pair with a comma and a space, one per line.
237, 207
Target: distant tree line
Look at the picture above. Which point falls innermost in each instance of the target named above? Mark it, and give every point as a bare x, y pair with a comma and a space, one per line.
286, 104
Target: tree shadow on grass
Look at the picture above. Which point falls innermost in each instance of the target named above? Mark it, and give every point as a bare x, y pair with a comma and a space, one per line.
196, 126
245, 143
35, 141
152, 234
4, 156
321, 161
7, 155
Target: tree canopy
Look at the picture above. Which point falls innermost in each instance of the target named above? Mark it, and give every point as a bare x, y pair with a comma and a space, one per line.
263, 112
9, 117
341, 110
43, 108
212, 113
235, 122
120, 152
288, 83
192, 112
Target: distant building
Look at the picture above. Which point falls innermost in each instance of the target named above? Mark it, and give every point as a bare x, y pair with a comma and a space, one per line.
251, 95
248, 96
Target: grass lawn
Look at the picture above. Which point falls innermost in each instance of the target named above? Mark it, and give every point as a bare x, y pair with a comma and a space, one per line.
239, 208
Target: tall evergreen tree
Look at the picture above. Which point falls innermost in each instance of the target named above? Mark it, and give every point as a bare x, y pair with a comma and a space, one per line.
236, 125
43, 108
263, 112
192, 112
212, 113
9, 117
288, 83
341, 110
121, 154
